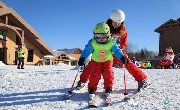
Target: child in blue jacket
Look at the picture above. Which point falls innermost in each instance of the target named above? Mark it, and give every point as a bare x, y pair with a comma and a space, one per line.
102, 46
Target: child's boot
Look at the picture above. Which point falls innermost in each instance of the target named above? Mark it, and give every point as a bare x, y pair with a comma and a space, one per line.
142, 84
108, 96
92, 99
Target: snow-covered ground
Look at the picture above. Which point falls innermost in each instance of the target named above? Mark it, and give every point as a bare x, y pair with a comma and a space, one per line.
1, 63
43, 88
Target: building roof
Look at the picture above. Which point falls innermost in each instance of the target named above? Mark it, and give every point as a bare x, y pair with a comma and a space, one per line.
57, 53
71, 58
170, 24
68, 51
30, 33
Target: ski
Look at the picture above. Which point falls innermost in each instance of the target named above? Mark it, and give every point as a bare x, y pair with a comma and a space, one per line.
108, 102
91, 104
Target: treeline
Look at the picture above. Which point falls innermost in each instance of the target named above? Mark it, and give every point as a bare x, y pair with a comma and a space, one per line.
142, 54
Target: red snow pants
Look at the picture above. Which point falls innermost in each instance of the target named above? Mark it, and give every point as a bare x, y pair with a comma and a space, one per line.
132, 68
164, 62
93, 72
96, 70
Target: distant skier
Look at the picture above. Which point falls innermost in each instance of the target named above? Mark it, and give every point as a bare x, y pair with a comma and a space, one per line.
133, 59
101, 46
167, 58
21, 56
136, 62
119, 33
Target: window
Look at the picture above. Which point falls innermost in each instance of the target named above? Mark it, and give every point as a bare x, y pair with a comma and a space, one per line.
2, 54
2, 34
30, 56
18, 40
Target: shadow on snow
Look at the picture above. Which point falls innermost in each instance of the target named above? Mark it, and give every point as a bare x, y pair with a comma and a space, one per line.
38, 97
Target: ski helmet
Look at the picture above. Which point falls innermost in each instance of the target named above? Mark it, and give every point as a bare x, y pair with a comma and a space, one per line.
101, 28
117, 16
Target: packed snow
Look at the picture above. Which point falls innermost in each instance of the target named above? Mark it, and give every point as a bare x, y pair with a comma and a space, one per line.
43, 88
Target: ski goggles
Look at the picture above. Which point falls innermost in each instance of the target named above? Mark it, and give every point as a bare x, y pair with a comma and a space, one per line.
98, 36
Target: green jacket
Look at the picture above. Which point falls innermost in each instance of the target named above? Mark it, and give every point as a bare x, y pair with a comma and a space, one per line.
101, 52
21, 53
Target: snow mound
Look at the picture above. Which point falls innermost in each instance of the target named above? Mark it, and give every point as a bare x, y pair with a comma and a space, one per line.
1, 63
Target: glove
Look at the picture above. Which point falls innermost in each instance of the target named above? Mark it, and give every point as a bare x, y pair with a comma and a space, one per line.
125, 60
81, 62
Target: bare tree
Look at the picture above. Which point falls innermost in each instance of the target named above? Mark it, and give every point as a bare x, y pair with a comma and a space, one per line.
130, 48
142, 54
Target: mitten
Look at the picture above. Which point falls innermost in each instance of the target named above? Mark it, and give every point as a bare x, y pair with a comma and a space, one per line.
81, 62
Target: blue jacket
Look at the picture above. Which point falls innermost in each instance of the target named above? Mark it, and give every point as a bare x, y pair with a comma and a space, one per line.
115, 50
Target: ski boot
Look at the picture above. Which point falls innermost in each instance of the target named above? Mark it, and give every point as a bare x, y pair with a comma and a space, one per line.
79, 85
108, 97
92, 99
142, 84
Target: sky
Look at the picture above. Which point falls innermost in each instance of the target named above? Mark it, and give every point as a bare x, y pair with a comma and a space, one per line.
70, 23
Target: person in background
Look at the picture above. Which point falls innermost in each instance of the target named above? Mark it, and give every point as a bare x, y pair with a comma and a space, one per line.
133, 59
167, 58
21, 56
136, 62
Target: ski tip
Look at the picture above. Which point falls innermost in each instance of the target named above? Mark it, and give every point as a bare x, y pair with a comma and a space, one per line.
92, 106
126, 98
125, 93
69, 92
108, 104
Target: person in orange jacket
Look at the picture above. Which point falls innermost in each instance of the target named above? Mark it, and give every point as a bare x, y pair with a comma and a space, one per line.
119, 34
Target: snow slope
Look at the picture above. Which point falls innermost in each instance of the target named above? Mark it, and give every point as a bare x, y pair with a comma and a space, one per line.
43, 88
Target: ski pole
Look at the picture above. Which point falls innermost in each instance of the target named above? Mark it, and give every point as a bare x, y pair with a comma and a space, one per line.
74, 80
125, 93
